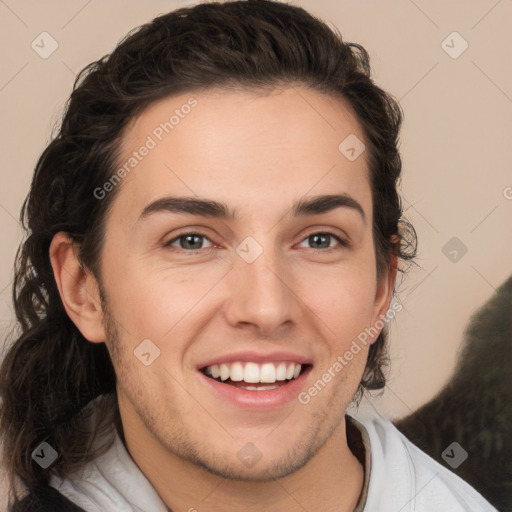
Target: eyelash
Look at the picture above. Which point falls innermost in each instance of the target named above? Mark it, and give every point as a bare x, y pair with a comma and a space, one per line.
342, 243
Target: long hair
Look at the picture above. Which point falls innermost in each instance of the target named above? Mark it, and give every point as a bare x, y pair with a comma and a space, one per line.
50, 371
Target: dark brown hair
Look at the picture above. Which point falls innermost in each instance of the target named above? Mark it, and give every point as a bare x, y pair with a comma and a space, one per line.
50, 371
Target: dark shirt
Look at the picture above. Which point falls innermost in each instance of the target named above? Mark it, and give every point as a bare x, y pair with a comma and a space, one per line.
45, 499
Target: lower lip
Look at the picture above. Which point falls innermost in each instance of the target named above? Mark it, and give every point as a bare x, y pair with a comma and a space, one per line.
262, 400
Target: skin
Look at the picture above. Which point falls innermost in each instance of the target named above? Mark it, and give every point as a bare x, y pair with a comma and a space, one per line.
259, 154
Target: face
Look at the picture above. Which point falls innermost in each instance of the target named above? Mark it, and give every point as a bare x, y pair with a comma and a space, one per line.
209, 310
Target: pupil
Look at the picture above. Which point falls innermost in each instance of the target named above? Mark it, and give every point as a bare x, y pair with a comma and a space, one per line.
189, 237
317, 237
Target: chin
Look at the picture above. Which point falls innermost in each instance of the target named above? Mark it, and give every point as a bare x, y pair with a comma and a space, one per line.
264, 460
257, 470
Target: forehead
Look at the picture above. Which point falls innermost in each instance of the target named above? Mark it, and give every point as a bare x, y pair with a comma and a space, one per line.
240, 147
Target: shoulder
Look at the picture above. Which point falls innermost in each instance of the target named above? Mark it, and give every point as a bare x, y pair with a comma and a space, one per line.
406, 478
44, 499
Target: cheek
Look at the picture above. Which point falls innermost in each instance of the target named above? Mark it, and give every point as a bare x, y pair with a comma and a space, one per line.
156, 304
342, 299
152, 302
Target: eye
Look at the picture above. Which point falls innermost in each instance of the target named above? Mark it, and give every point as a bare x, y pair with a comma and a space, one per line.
192, 241
317, 239
188, 241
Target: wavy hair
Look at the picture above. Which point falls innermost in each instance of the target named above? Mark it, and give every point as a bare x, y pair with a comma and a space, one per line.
50, 372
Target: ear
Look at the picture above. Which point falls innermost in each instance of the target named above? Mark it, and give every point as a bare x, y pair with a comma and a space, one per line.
384, 293
78, 288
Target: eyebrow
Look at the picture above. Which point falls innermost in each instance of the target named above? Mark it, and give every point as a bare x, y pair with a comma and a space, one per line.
314, 205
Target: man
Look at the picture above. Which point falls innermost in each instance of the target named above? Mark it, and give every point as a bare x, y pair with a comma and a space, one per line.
214, 238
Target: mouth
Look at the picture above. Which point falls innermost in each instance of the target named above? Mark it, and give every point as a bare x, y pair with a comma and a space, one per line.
253, 376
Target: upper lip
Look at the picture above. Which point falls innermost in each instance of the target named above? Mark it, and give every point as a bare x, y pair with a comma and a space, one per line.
256, 357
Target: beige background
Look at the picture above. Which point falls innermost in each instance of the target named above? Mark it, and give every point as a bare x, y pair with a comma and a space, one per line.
456, 145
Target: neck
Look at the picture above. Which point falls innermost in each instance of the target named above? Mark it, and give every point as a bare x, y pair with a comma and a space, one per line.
331, 481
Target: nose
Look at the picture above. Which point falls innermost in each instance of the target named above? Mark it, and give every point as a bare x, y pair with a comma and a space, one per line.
261, 292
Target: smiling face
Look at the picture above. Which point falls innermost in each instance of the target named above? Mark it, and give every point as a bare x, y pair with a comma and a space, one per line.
268, 289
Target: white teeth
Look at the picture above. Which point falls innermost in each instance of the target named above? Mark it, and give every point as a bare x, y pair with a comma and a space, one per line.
224, 372
254, 373
281, 372
268, 373
237, 372
259, 388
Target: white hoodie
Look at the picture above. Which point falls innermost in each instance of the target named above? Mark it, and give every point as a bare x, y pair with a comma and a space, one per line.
399, 477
